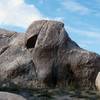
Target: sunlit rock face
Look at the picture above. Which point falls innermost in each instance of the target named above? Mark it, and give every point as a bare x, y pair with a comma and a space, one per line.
97, 81
45, 56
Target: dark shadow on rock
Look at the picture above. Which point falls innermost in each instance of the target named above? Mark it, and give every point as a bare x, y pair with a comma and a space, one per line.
31, 42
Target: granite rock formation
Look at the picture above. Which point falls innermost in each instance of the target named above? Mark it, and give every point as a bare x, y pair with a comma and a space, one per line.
58, 59
45, 56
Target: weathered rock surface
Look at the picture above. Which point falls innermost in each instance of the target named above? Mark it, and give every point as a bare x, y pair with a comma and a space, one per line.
16, 65
45, 55
58, 59
10, 96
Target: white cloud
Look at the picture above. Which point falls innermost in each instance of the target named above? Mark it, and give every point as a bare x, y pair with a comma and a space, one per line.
74, 6
60, 19
17, 12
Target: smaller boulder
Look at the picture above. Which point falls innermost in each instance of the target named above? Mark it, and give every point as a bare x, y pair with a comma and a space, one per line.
97, 81
10, 96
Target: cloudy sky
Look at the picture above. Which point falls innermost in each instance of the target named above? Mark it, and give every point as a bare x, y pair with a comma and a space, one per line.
81, 17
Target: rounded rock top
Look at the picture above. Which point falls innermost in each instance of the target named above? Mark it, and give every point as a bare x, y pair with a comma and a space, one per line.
10, 96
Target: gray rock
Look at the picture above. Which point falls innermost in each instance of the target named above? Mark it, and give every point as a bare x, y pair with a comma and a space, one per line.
58, 59
45, 56
10, 96
16, 65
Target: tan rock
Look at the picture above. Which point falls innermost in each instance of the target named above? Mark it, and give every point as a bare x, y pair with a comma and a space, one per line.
97, 81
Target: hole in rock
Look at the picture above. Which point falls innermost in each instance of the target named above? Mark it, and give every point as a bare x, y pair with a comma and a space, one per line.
31, 42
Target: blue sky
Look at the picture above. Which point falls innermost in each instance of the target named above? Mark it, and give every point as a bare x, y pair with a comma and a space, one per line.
81, 17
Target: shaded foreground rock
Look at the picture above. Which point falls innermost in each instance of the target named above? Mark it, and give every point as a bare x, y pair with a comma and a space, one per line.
58, 94
45, 56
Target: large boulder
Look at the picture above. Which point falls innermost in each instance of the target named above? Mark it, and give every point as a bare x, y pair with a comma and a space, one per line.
58, 59
45, 56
